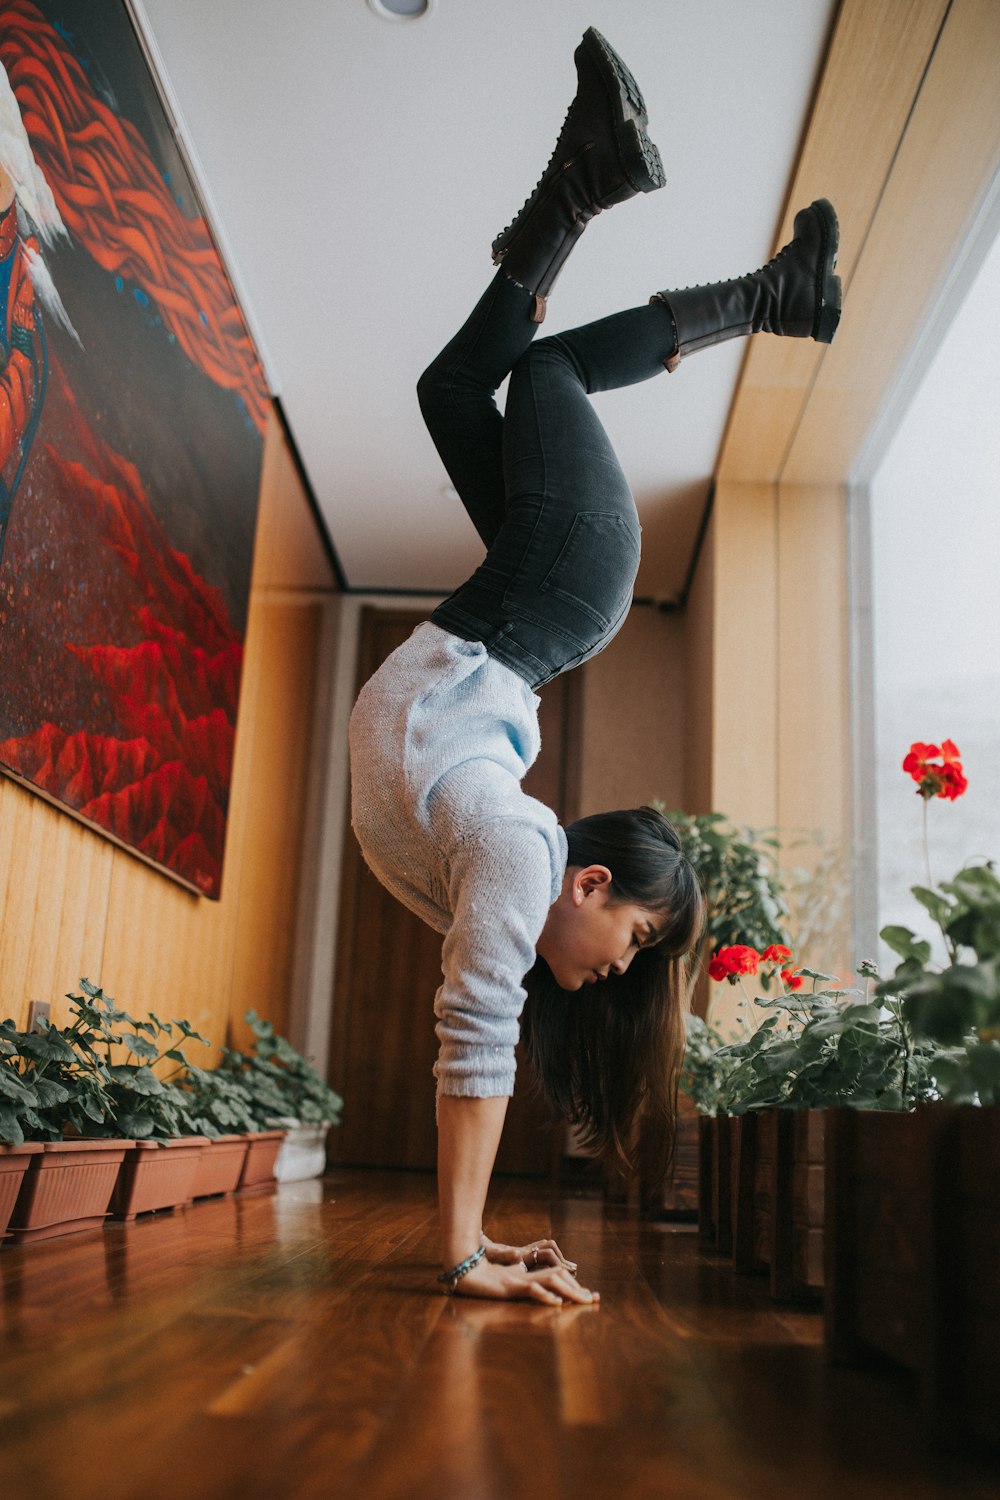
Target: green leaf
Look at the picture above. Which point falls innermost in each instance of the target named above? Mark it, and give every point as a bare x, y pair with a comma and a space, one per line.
906, 943
50, 1093
141, 1046
46, 1046
10, 1127
136, 1080
939, 908
187, 1030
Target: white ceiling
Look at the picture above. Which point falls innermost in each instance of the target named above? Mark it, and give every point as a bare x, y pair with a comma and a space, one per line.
356, 172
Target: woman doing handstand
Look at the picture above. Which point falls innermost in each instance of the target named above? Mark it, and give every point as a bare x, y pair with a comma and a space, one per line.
586, 928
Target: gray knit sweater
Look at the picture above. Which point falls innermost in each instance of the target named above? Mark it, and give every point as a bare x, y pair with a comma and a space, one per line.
440, 738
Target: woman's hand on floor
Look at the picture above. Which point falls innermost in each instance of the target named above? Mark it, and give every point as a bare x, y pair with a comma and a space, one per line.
515, 1283
532, 1256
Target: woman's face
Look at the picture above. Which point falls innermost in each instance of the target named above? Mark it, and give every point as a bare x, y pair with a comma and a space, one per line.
588, 935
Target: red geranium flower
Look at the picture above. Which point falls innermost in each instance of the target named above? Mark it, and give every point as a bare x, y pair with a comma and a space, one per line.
729, 962
793, 980
937, 770
776, 953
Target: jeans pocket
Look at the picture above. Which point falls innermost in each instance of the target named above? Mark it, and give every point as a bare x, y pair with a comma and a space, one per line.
596, 567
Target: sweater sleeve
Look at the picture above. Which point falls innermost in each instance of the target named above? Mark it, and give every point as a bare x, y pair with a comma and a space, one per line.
501, 883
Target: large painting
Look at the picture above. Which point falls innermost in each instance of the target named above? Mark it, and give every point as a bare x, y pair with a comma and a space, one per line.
132, 412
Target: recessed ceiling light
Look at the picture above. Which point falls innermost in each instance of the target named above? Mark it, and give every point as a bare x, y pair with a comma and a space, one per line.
401, 10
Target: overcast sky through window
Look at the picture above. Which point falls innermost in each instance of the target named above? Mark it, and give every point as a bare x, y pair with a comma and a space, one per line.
936, 587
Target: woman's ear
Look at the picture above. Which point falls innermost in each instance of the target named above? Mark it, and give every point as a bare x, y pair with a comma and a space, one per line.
588, 881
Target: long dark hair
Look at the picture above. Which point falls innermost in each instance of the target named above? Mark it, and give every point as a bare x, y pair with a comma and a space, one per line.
610, 1053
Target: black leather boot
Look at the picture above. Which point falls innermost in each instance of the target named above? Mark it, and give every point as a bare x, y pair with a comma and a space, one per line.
795, 294
603, 156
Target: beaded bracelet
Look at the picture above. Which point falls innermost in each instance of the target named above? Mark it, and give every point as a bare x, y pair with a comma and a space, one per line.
454, 1276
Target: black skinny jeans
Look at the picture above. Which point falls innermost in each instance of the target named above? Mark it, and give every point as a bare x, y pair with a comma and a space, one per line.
541, 483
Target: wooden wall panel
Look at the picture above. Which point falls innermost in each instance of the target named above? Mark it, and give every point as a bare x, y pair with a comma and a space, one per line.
813, 744
947, 160
275, 796
745, 634
876, 62
781, 710
813, 741
288, 552
699, 699
54, 881
634, 732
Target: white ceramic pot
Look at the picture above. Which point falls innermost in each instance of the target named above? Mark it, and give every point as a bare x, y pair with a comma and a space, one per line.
303, 1151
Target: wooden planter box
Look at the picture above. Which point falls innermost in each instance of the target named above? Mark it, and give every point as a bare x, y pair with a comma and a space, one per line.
718, 1150
754, 1199
219, 1166
678, 1197
913, 1255
14, 1162
706, 1178
257, 1175
156, 1175
761, 1196
67, 1187
796, 1259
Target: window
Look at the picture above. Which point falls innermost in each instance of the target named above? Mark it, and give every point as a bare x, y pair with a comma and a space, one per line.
933, 507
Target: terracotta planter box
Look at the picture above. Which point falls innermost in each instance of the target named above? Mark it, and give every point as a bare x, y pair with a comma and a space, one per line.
219, 1166
257, 1175
912, 1255
67, 1187
14, 1162
156, 1175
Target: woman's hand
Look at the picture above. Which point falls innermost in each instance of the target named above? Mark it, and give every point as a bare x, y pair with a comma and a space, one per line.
515, 1283
537, 1253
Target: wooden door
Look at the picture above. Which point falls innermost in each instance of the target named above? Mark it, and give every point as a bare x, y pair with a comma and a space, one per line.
383, 1044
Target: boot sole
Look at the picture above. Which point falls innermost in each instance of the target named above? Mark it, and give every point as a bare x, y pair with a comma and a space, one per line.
829, 292
640, 158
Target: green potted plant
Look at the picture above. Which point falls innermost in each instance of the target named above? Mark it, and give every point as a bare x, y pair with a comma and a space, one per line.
168, 1138
228, 1113
287, 1092
738, 870
57, 1099
802, 1053
17, 1097
914, 1199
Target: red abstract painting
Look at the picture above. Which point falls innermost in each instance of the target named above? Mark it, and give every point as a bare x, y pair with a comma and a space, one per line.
132, 410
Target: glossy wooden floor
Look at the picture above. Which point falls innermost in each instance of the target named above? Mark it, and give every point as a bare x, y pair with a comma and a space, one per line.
295, 1346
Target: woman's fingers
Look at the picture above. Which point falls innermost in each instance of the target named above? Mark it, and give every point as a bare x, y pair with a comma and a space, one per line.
550, 1284
545, 1252
560, 1286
